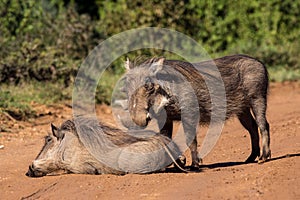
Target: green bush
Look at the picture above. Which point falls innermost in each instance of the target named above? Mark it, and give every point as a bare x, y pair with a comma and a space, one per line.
46, 41
268, 30
43, 43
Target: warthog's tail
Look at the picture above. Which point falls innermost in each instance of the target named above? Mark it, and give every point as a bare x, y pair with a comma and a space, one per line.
173, 159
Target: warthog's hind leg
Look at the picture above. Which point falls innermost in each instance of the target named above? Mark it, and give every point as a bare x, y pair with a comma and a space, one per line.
250, 125
259, 110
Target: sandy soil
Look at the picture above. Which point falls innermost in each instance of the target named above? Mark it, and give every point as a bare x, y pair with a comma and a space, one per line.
224, 175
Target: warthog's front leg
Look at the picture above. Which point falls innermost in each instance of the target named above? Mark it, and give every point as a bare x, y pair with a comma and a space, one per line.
189, 127
196, 160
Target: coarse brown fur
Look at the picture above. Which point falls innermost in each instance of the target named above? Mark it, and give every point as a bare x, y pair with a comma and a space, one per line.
86, 146
245, 79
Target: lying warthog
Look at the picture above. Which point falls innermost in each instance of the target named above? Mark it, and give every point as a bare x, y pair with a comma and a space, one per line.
86, 146
157, 85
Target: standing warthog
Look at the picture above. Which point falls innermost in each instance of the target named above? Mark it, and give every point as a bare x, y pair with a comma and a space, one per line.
151, 90
90, 147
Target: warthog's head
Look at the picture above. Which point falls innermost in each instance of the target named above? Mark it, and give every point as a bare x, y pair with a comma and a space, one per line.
49, 160
145, 94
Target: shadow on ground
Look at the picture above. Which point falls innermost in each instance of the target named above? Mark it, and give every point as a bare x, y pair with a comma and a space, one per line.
224, 164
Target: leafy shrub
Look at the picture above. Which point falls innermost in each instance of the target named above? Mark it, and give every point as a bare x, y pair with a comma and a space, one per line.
267, 30
43, 46
46, 41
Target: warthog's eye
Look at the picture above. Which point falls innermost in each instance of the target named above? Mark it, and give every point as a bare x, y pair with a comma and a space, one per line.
149, 87
48, 139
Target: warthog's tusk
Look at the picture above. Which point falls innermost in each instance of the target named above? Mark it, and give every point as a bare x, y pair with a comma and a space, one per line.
148, 116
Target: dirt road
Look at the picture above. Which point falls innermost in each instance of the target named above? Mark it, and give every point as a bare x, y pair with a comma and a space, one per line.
224, 175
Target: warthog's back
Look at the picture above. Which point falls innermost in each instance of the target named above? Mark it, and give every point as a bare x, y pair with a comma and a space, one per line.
243, 77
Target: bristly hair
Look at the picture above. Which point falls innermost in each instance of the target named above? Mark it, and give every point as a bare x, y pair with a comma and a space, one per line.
144, 61
68, 125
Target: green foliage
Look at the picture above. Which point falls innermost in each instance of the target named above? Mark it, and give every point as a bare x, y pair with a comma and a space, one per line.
44, 42
106, 85
43, 46
280, 74
18, 100
120, 15
18, 109
267, 30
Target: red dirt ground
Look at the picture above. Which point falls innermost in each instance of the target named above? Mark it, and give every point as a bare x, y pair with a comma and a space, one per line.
223, 176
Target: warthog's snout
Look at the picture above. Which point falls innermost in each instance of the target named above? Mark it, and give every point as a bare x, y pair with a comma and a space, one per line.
32, 172
142, 119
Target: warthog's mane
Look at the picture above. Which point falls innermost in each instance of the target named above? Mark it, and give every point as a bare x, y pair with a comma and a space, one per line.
173, 71
91, 130
68, 125
143, 61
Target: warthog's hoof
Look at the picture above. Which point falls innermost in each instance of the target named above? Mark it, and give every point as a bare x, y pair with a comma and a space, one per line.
181, 161
264, 157
196, 165
252, 157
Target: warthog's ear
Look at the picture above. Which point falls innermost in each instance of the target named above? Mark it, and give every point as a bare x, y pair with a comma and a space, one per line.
128, 65
56, 133
54, 130
157, 66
